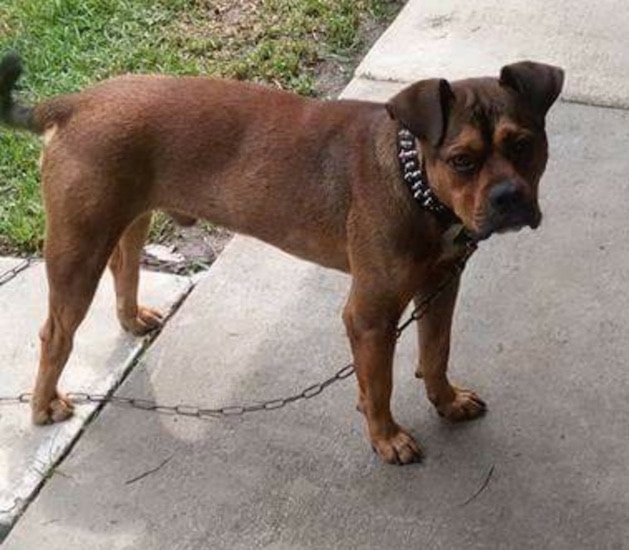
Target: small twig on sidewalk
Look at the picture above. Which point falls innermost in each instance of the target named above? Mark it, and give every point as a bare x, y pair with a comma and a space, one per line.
482, 487
149, 472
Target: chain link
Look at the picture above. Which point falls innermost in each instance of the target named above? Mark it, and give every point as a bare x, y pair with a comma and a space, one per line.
81, 398
10, 274
16, 400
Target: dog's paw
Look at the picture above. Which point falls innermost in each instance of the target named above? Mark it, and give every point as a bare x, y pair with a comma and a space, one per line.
146, 320
399, 448
466, 405
60, 408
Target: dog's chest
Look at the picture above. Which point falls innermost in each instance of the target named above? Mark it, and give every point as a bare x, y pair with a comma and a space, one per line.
453, 246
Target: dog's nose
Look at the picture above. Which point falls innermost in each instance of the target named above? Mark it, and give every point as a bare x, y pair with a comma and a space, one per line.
505, 197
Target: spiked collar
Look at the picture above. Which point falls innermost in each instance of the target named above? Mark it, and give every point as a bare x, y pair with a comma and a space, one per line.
414, 175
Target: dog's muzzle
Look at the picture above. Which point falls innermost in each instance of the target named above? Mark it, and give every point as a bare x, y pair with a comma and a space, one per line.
508, 209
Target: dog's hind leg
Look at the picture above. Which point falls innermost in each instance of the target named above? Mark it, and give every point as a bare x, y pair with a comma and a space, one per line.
76, 254
124, 264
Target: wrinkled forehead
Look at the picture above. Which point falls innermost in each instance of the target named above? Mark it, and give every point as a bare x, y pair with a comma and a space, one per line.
483, 110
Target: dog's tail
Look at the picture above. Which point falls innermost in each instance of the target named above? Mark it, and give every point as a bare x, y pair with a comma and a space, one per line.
13, 114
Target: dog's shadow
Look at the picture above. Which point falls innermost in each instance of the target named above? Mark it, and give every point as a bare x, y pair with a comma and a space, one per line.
304, 476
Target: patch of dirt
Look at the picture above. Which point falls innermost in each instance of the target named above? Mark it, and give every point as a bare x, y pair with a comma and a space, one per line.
233, 13
7, 250
334, 73
186, 250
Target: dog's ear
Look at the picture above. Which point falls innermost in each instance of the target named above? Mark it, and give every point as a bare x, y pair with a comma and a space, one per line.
540, 84
423, 108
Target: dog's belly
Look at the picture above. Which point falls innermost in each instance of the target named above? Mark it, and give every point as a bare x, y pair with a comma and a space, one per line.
319, 241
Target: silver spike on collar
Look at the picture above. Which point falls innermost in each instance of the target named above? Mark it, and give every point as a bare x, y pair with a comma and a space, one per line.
413, 174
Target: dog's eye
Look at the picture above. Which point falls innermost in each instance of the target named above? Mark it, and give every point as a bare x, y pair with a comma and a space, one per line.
521, 146
463, 163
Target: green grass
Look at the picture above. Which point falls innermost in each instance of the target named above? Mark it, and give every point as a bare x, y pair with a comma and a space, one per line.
68, 44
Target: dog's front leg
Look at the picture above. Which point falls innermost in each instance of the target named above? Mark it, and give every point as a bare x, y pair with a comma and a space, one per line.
434, 343
371, 326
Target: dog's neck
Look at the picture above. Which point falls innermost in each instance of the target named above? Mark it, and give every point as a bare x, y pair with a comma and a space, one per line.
416, 179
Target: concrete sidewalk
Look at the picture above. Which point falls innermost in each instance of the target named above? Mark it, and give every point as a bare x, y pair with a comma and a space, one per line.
102, 355
460, 38
540, 332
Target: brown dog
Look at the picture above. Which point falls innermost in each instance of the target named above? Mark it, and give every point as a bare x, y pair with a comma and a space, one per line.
320, 180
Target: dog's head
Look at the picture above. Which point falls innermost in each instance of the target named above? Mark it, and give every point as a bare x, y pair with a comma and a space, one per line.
483, 142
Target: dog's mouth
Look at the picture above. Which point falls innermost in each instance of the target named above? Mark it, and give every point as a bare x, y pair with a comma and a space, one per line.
505, 223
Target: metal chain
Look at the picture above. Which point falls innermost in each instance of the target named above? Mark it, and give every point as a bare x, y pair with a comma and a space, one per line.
269, 405
10, 274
